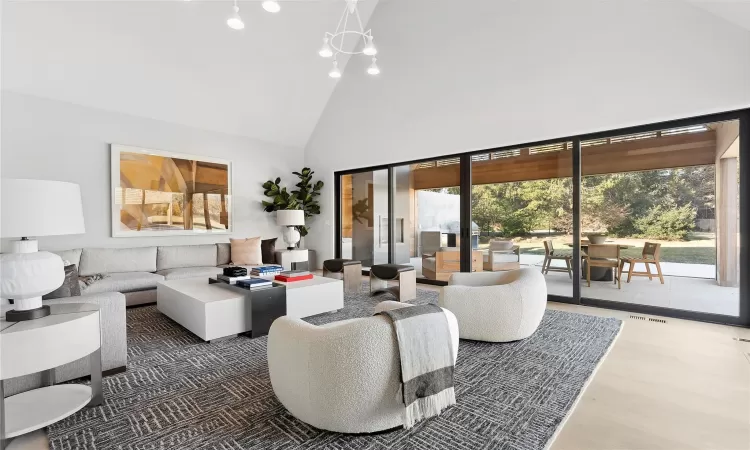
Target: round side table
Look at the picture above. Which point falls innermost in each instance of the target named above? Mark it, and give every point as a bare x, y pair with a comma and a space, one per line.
69, 333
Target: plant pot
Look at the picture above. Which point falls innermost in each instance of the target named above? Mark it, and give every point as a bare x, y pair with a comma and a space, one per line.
597, 238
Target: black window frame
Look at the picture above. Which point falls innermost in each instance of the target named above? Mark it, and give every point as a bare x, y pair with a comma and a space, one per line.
741, 115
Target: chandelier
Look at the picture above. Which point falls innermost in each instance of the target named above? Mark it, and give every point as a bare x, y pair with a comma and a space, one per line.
334, 44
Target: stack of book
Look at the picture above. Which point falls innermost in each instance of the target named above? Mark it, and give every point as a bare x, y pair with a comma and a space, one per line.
254, 283
268, 270
232, 280
291, 276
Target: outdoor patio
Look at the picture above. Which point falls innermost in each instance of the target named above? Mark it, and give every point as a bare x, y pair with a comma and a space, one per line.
691, 294
690, 287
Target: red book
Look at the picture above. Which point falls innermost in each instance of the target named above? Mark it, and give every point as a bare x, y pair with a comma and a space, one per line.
290, 279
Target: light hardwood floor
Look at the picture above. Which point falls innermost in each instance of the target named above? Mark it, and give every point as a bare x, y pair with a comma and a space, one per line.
677, 385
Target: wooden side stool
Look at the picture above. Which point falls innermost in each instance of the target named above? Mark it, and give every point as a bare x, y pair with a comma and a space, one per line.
349, 269
380, 274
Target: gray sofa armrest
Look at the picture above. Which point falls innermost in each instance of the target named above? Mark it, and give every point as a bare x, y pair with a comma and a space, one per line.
114, 348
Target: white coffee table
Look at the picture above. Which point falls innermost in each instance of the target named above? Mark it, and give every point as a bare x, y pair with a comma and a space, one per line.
214, 311
310, 297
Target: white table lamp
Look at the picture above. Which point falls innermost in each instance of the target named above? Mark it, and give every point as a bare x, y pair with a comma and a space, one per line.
35, 208
290, 218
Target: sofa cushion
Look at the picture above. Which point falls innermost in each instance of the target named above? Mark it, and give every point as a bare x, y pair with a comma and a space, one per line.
190, 272
124, 282
117, 260
72, 256
177, 256
500, 257
246, 251
223, 253
389, 271
268, 251
337, 264
69, 288
498, 245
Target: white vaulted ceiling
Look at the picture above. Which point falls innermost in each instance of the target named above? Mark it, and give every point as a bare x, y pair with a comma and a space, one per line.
735, 11
177, 61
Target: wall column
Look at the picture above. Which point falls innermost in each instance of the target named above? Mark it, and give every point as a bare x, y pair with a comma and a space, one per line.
727, 204
727, 226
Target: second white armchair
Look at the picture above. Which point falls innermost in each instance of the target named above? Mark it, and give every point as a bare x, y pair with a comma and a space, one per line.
496, 306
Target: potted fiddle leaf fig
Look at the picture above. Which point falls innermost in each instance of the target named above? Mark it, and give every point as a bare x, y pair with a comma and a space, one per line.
304, 196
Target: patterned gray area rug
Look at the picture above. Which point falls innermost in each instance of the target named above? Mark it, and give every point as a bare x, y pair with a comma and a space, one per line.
182, 393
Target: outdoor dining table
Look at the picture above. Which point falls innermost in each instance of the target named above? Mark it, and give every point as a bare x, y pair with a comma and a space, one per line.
598, 273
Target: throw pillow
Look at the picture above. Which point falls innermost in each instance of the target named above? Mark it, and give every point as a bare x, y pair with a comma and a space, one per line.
86, 281
69, 287
268, 250
246, 252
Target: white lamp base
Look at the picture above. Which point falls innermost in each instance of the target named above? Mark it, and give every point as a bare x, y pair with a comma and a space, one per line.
28, 314
24, 246
291, 237
26, 275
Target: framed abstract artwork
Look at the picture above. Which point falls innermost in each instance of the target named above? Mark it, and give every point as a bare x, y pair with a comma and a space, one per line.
158, 193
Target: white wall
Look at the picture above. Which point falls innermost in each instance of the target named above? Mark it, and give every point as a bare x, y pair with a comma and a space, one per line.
47, 139
493, 73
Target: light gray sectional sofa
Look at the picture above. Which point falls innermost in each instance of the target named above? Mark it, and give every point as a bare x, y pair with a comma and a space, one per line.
135, 271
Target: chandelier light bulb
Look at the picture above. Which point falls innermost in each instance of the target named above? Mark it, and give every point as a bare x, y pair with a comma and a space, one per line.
335, 72
271, 6
325, 51
370, 49
373, 69
235, 21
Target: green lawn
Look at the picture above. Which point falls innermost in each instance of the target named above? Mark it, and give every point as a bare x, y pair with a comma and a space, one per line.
700, 248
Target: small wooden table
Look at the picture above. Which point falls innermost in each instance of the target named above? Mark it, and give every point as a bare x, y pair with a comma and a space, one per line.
585, 244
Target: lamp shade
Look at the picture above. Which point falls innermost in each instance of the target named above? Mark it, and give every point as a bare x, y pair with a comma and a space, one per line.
40, 208
290, 217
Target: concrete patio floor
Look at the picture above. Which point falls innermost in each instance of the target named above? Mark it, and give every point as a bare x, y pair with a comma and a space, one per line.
690, 287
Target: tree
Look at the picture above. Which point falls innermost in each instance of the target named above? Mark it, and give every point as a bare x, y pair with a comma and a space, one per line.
485, 207
669, 223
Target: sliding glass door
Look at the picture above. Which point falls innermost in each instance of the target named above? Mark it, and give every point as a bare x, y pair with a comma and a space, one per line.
522, 212
669, 201
664, 207
364, 217
427, 218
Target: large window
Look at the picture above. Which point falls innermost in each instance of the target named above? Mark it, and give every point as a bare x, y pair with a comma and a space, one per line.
364, 217
522, 212
427, 206
645, 219
664, 202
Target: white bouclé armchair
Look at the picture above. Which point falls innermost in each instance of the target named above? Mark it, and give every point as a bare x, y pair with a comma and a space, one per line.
496, 306
343, 376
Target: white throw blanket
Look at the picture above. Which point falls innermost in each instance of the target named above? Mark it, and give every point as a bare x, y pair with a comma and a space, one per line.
426, 353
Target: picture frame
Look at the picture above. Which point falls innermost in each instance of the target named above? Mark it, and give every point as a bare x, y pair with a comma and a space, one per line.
164, 193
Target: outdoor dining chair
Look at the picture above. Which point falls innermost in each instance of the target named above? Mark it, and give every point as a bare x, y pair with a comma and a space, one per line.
650, 255
603, 255
549, 256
